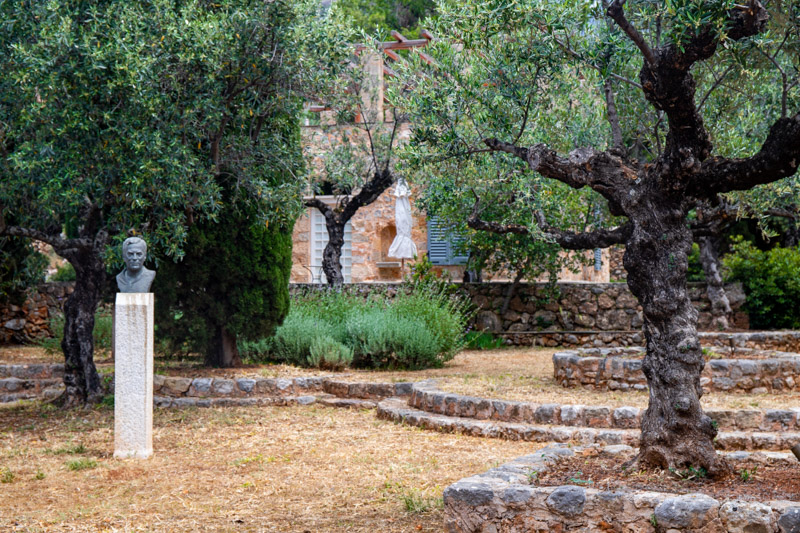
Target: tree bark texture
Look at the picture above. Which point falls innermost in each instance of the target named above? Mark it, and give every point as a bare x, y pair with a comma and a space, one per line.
715, 287
224, 351
81, 380
675, 431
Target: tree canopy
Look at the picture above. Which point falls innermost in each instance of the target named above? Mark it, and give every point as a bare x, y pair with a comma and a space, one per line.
652, 110
119, 116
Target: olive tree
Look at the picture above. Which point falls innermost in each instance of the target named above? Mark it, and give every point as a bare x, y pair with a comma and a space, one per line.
121, 116
508, 83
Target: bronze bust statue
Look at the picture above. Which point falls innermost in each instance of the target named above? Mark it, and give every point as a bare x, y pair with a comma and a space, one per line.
135, 277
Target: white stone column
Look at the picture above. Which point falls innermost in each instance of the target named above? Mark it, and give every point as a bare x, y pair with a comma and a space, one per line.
133, 375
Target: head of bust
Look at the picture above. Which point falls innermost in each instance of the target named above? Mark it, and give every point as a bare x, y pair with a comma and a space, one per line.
134, 252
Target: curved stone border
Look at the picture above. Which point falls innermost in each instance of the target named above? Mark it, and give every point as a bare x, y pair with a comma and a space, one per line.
426, 396
178, 387
504, 499
616, 369
397, 410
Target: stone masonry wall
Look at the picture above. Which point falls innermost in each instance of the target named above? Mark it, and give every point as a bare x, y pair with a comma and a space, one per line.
29, 321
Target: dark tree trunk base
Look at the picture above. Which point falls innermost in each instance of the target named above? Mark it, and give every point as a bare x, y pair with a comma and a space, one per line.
224, 352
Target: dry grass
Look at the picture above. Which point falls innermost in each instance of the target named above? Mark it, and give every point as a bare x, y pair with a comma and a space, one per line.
238, 469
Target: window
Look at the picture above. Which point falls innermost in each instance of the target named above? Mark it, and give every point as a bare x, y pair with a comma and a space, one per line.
319, 238
442, 245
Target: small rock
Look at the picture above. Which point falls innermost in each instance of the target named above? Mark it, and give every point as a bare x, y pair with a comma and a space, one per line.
746, 517
616, 449
246, 384
223, 386
306, 400
687, 511
789, 522
567, 500
16, 324
470, 493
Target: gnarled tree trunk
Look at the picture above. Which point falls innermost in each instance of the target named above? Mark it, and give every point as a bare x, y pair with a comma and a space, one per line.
675, 431
80, 373
332, 255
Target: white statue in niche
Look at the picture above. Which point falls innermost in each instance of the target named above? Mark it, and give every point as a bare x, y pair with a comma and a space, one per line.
135, 277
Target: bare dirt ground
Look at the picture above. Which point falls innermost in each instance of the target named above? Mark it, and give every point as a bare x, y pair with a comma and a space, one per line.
523, 374
299, 469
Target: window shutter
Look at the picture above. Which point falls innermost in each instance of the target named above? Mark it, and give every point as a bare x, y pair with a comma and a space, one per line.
442, 246
438, 247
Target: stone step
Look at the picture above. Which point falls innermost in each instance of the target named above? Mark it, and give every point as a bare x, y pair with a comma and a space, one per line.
11, 385
397, 409
347, 403
32, 371
426, 396
166, 401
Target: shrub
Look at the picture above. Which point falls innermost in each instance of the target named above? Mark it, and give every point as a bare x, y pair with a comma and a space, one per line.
21, 267
325, 352
422, 327
64, 272
771, 281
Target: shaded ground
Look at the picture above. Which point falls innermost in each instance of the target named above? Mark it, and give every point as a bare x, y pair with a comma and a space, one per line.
235, 469
756, 479
523, 374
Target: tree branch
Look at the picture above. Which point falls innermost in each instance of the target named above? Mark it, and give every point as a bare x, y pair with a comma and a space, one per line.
324, 208
588, 63
613, 118
583, 167
617, 13
779, 157
670, 87
601, 238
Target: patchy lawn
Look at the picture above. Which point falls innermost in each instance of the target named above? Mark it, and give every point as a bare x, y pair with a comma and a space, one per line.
235, 469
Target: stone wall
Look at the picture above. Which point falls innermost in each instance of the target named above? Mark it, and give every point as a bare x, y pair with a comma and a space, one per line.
601, 307
30, 321
742, 370
508, 499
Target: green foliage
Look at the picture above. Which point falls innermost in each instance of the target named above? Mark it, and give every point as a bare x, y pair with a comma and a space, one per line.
529, 72
21, 267
234, 275
771, 282
133, 109
103, 333
691, 473
64, 272
419, 329
6, 475
747, 474
84, 463
483, 340
327, 353
695, 272
380, 17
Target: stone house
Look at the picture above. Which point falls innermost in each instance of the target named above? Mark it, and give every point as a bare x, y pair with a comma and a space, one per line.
371, 231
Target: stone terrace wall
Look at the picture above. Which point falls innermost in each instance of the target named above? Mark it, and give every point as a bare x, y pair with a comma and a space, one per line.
29, 321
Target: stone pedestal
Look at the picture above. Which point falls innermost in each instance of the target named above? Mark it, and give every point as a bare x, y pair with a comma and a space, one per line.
133, 375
